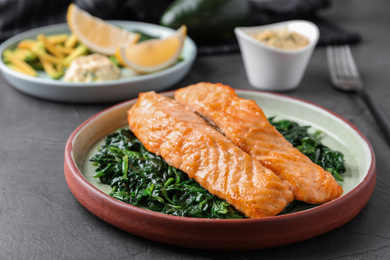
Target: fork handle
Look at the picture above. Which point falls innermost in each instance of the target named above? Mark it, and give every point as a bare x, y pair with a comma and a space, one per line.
380, 116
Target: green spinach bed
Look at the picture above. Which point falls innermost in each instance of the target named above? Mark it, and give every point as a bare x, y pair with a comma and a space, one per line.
142, 179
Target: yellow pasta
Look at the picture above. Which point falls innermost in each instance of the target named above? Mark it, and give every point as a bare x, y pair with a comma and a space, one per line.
71, 41
22, 65
49, 46
58, 38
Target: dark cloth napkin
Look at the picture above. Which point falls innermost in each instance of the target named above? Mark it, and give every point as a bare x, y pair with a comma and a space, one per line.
272, 11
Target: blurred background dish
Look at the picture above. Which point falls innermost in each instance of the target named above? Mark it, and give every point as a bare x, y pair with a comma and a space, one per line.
128, 86
274, 68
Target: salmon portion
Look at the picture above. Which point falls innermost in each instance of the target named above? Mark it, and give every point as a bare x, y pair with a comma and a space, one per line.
245, 124
188, 143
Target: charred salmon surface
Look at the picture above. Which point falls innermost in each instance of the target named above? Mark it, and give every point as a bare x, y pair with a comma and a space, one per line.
188, 143
245, 124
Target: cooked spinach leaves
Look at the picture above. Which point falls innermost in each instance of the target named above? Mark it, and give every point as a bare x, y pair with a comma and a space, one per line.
143, 179
310, 145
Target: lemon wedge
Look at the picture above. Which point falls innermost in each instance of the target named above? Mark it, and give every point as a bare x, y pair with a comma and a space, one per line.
98, 35
153, 55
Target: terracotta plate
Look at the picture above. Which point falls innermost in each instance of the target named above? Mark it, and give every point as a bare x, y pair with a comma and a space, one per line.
359, 182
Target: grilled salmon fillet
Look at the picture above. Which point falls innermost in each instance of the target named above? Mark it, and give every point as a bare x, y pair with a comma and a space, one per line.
188, 143
246, 125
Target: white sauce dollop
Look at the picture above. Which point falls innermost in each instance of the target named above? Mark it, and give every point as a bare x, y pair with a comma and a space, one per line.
92, 68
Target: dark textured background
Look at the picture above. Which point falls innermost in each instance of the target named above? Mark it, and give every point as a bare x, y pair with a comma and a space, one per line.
40, 218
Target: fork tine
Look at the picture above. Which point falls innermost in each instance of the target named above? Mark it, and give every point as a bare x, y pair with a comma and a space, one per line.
352, 65
341, 62
337, 62
342, 67
332, 63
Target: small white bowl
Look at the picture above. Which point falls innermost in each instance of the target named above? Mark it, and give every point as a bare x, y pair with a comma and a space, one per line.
275, 69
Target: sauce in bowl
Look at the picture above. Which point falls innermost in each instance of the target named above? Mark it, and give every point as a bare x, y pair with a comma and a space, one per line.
281, 38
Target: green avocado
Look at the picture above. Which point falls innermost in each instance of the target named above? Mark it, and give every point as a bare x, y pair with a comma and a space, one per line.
206, 20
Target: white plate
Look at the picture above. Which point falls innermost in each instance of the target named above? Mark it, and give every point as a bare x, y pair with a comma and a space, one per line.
109, 91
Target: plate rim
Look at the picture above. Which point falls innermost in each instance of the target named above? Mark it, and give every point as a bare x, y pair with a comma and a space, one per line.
367, 184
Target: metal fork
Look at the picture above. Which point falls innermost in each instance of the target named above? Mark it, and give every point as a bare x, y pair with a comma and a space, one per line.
345, 76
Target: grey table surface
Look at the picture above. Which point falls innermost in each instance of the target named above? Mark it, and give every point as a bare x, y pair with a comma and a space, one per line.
41, 219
